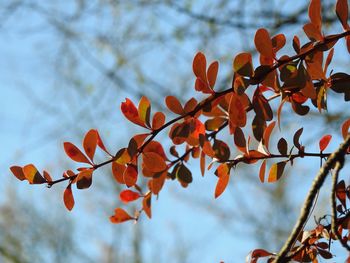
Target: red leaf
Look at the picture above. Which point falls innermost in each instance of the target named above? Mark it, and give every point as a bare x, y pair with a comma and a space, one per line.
154, 162
174, 105
144, 110
120, 216
223, 172
158, 120
345, 128
74, 153
100, 143
262, 171
18, 172
68, 198
315, 14
131, 113
324, 142
212, 73
127, 196
118, 171
146, 205
130, 175
84, 179
237, 113
342, 11
90, 143
199, 66
263, 43
267, 134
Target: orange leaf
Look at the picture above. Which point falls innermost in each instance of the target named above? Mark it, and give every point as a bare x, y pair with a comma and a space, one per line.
262, 171
158, 120
120, 216
263, 43
345, 128
174, 105
84, 179
131, 113
144, 110
315, 14
118, 171
18, 172
127, 196
155, 147
90, 143
276, 171
74, 153
130, 175
278, 42
324, 142
267, 134
312, 32
237, 113
146, 205
202, 162
342, 11
212, 73
223, 172
156, 184
199, 66
32, 174
100, 143
47, 176
154, 162
68, 198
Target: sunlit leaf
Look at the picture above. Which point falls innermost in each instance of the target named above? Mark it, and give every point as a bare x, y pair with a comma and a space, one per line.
130, 175
223, 172
154, 162
68, 198
237, 113
312, 32
263, 43
18, 172
90, 143
324, 142
131, 113
127, 196
158, 120
144, 110
315, 13
212, 73
174, 105
262, 171
267, 134
345, 128
32, 174
101, 144
199, 66
47, 176
74, 153
342, 11
156, 184
146, 205
202, 163
120, 216
276, 171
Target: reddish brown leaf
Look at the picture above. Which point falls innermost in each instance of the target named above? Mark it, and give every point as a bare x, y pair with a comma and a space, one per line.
324, 142
243, 64
267, 134
276, 171
345, 128
127, 196
174, 105
32, 175
278, 42
47, 176
282, 146
18, 172
146, 205
68, 198
156, 184
237, 113
223, 172
262, 171
90, 143
158, 120
312, 32
342, 11
315, 14
101, 144
154, 162
202, 163
239, 140
199, 66
212, 73
130, 175
263, 43
131, 113
296, 138
74, 153
120, 216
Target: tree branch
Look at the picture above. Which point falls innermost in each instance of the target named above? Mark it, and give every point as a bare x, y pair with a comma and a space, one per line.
316, 185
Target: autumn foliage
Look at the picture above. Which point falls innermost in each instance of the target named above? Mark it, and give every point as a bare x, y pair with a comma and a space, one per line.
299, 81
